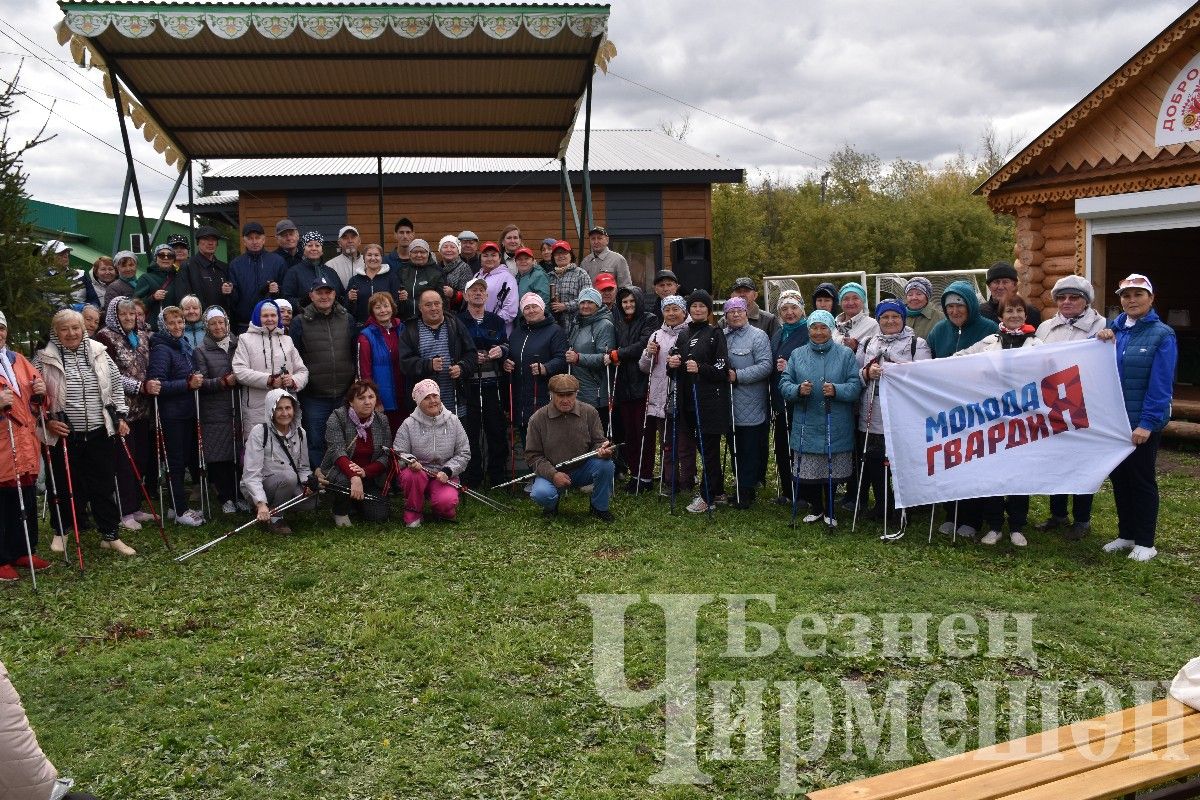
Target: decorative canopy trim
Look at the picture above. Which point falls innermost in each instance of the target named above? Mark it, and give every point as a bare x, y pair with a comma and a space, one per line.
1145, 58
409, 22
1009, 202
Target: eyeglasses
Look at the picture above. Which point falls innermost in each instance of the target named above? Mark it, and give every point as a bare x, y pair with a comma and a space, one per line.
1070, 297
167, 256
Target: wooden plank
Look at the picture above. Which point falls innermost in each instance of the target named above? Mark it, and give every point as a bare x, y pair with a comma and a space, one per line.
1116, 780
921, 777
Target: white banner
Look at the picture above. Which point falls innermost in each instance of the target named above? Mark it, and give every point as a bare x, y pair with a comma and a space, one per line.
1179, 113
1034, 420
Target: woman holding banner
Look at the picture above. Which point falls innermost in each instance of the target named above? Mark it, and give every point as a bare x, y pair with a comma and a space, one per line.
821, 383
1146, 355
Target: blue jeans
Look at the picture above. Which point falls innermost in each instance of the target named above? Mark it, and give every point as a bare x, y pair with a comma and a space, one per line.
596, 471
316, 411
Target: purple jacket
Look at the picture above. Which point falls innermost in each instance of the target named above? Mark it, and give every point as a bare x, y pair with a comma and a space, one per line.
502, 295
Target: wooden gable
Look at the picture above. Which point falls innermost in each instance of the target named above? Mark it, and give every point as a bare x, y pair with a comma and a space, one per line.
1105, 143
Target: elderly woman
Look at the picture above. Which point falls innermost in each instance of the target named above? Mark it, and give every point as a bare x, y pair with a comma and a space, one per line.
749, 364
1146, 355
276, 467
379, 357
455, 271
194, 328
590, 339
531, 277
703, 375
102, 283
91, 319
373, 277
653, 362
421, 273
171, 365
218, 398
86, 403
265, 359
356, 459
854, 325
128, 345
895, 344
431, 440
286, 312
1075, 321
821, 385
537, 351
19, 462
634, 327
567, 280
792, 334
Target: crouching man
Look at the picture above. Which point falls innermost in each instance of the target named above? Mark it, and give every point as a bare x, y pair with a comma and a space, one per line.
561, 431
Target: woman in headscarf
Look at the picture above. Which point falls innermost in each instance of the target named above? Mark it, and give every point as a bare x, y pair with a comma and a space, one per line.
171, 365
703, 393
590, 340
128, 345
896, 343
792, 334
85, 403
854, 325
356, 458
653, 362
218, 400
821, 386
379, 357
749, 354
286, 312
432, 438
276, 468
265, 359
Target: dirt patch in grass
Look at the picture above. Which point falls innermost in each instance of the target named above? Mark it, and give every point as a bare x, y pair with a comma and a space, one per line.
1174, 462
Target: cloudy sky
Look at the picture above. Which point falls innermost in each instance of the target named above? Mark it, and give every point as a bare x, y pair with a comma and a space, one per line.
793, 82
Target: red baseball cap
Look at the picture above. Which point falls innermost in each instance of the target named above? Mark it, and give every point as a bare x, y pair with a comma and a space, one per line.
490, 246
523, 251
561, 245
605, 280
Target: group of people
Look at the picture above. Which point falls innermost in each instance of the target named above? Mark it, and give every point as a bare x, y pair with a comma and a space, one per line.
272, 382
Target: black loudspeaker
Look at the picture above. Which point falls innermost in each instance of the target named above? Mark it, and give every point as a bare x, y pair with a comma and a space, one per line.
691, 261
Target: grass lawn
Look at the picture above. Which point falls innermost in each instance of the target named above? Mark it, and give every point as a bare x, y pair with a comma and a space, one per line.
456, 661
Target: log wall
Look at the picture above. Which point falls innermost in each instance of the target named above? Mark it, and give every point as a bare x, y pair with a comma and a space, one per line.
1048, 242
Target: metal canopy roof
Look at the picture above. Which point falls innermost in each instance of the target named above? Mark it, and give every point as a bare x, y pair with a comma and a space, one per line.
263, 80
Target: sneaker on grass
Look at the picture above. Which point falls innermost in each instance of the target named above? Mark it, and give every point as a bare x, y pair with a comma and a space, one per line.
1117, 545
228, 507
143, 516
991, 537
697, 506
1139, 553
1017, 538
811, 518
191, 518
129, 523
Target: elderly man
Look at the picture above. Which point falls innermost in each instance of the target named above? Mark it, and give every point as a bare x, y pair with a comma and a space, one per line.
484, 417
665, 285
205, 275
1002, 283
921, 315
439, 347
403, 234
287, 236
601, 259
324, 335
470, 249
349, 259
563, 430
765, 321
256, 274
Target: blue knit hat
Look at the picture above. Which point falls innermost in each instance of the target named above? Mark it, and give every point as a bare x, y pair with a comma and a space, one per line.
857, 288
891, 305
674, 300
590, 295
820, 317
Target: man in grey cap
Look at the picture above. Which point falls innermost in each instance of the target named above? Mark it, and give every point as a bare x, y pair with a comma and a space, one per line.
470, 250
765, 321
1002, 282
287, 236
349, 259
601, 259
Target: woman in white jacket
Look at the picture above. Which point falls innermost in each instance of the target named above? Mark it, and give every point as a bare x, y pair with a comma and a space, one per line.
276, 467
658, 410
431, 437
265, 359
1075, 321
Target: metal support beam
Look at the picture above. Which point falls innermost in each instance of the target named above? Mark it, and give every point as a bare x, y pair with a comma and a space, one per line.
137, 193
191, 210
379, 173
167, 205
120, 229
587, 178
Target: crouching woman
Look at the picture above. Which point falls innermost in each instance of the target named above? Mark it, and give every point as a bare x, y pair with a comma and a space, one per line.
356, 462
276, 466
431, 440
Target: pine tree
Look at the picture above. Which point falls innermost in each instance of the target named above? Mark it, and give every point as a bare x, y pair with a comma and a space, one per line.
28, 293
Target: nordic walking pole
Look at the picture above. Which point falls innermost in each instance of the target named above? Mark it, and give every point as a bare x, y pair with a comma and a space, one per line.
866, 438
164, 459
829, 521
71, 497
700, 441
674, 440
205, 505
62, 531
642, 449
512, 429
737, 481
12, 443
284, 506
137, 474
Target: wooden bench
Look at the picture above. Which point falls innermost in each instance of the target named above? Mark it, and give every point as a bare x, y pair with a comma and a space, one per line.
1106, 757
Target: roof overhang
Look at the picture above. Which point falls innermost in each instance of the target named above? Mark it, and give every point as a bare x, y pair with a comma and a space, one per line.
243, 80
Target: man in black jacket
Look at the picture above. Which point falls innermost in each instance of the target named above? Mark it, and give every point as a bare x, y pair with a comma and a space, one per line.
287, 236
437, 346
205, 275
325, 335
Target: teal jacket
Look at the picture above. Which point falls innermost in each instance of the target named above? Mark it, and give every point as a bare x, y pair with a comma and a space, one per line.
946, 338
830, 362
534, 281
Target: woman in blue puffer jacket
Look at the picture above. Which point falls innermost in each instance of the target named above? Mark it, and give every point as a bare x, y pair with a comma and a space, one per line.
171, 365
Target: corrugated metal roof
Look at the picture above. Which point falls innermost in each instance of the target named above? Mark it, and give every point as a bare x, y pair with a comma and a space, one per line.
214, 201
611, 151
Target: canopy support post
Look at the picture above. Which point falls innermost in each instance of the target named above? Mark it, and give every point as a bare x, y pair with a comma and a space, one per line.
569, 196
170, 199
191, 210
379, 174
137, 193
587, 178
120, 229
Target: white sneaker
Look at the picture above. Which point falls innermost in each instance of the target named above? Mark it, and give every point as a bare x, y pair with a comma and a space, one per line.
1117, 545
143, 516
966, 531
130, 524
1017, 538
831, 522
119, 546
947, 527
991, 537
697, 506
242, 505
58, 544
228, 507
341, 520
1139, 553
416, 523
811, 518
191, 518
